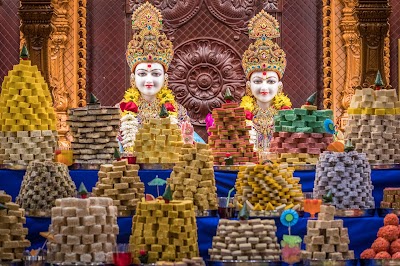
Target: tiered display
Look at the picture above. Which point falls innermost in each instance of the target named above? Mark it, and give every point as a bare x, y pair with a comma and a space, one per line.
387, 244
193, 179
391, 198
12, 232
27, 117
230, 135
268, 187
158, 141
94, 129
168, 231
121, 182
327, 238
43, 183
300, 136
374, 125
84, 230
245, 240
347, 175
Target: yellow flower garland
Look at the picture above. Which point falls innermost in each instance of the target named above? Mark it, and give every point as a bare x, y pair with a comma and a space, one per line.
280, 100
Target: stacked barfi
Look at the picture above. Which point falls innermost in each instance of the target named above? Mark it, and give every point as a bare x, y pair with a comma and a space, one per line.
391, 198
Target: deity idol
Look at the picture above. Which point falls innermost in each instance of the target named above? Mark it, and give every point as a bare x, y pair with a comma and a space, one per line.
149, 54
264, 63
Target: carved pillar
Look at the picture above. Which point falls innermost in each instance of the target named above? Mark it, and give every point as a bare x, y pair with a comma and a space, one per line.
373, 26
36, 26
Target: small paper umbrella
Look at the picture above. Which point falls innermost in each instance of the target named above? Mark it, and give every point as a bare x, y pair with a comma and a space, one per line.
157, 182
3, 207
329, 126
289, 218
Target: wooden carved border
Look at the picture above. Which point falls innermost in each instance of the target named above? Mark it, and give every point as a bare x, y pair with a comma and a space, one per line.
327, 51
81, 35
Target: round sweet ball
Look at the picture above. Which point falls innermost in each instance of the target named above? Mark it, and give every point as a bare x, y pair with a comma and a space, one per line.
389, 232
396, 256
391, 219
380, 244
368, 254
383, 255
395, 246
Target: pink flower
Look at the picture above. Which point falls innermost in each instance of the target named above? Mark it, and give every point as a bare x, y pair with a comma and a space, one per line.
285, 107
249, 115
128, 106
170, 107
209, 121
143, 252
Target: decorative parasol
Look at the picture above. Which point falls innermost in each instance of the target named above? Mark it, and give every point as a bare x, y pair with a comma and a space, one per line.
157, 182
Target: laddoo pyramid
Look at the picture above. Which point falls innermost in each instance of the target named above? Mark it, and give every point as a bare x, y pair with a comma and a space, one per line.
327, 238
43, 183
192, 177
121, 182
27, 117
268, 187
387, 244
12, 232
167, 231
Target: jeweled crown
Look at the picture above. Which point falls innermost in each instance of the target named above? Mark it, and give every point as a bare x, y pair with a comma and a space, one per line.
148, 44
264, 54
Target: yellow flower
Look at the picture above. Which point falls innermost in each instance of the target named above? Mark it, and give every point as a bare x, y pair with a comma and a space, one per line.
247, 103
132, 95
281, 100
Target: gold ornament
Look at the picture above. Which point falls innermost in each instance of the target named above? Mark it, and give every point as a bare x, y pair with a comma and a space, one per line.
149, 44
264, 54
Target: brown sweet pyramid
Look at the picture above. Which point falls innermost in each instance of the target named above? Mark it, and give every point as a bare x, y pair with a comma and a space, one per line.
268, 187
85, 231
12, 232
192, 177
158, 141
121, 182
43, 183
387, 244
391, 198
230, 135
327, 238
167, 231
245, 240
27, 117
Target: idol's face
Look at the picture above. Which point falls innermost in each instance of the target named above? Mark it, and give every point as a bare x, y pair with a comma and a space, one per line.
149, 78
264, 85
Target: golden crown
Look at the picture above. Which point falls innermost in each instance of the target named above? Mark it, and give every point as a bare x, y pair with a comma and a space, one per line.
148, 44
264, 54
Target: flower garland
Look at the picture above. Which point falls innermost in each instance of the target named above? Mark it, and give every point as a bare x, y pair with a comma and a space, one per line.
280, 101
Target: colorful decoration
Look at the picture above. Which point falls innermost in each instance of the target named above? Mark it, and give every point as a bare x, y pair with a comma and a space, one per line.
187, 132
311, 99
228, 159
117, 154
328, 198
3, 207
93, 99
143, 256
163, 112
157, 182
289, 218
24, 53
167, 196
82, 191
244, 213
291, 252
349, 146
329, 126
378, 81
228, 97
336, 146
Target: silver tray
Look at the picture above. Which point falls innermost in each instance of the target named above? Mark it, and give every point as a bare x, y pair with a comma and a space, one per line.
231, 168
38, 214
85, 166
373, 262
330, 262
156, 166
354, 213
207, 213
382, 212
243, 263
11, 263
12, 166
303, 167
378, 166
77, 263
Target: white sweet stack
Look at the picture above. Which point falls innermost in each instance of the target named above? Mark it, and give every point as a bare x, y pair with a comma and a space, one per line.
374, 124
245, 240
120, 181
326, 238
192, 177
43, 183
84, 230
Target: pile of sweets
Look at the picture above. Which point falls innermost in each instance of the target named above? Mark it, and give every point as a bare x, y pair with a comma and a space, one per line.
327, 238
245, 240
347, 175
391, 198
387, 244
121, 182
94, 129
84, 230
196, 261
192, 177
158, 141
12, 232
43, 183
374, 124
167, 231
299, 135
230, 135
27, 117
268, 187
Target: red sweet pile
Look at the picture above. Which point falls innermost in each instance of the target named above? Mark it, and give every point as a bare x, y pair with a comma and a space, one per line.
387, 245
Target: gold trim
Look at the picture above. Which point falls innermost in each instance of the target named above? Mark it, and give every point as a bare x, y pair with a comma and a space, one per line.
327, 54
81, 53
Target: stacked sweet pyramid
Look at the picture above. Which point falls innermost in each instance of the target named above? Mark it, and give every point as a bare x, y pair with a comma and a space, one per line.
391, 198
85, 230
374, 123
159, 140
94, 129
229, 134
166, 229
387, 244
43, 183
27, 117
192, 177
268, 187
327, 238
300, 135
12, 231
120, 181
346, 175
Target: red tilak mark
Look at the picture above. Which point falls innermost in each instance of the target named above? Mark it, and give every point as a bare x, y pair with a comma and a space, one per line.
149, 66
264, 73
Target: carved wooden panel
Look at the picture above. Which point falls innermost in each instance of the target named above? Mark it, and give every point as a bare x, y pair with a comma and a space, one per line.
394, 21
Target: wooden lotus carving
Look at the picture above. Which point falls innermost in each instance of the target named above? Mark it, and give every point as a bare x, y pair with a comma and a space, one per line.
202, 71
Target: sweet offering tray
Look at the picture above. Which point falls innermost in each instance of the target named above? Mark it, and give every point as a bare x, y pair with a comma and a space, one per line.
13, 166
85, 166
243, 263
354, 213
233, 168
385, 166
206, 213
382, 212
330, 262
156, 166
373, 262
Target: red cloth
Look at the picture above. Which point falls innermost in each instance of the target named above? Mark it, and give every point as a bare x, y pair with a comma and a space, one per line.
128, 106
